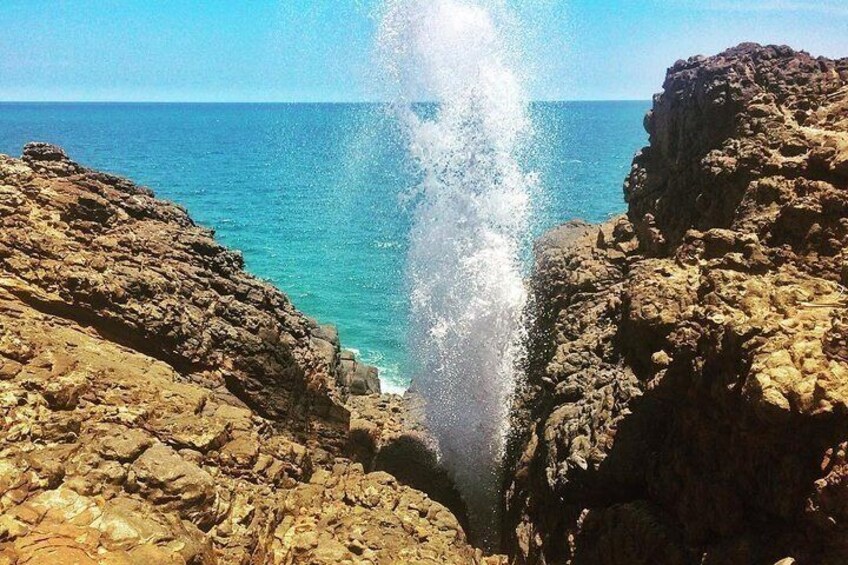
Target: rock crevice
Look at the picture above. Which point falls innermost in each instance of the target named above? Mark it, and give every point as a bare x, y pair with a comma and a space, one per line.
687, 378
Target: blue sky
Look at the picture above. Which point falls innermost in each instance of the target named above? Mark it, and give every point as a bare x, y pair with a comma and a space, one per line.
320, 50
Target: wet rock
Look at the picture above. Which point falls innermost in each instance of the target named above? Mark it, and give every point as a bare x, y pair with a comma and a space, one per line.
389, 433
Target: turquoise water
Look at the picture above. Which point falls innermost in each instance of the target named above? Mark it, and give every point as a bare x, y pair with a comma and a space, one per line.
313, 194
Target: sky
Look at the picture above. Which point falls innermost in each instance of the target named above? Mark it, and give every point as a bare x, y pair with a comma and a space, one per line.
322, 50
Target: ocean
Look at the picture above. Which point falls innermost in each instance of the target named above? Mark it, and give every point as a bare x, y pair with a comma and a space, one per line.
317, 196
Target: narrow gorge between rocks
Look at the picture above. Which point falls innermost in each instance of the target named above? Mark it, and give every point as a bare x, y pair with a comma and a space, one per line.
668, 387
470, 226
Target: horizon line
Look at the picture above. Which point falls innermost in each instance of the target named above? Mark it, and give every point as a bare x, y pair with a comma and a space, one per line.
292, 103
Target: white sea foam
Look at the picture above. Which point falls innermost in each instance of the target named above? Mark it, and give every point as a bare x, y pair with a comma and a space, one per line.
388, 387
471, 220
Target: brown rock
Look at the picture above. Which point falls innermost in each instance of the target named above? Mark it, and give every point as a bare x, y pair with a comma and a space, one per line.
168, 480
688, 402
159, 405
388, 433
103, 252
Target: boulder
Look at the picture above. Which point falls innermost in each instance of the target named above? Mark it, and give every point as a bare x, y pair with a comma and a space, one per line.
357, 378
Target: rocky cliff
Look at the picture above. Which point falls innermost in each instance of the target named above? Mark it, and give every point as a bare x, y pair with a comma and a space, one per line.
687, 395
687, 385
159, 405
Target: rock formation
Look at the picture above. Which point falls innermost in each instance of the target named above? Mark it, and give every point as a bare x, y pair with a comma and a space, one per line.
687, 383
687, 394
159, 405
388, 433
353, 377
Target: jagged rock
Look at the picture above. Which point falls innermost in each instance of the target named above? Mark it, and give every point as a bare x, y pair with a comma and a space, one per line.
169, 482
327, 527
753, 140
159, 405
358, 378
98, 250
388, 433
687, 395
352, 376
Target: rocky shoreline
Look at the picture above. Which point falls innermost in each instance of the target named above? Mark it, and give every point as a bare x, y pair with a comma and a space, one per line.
687, 381
160, 405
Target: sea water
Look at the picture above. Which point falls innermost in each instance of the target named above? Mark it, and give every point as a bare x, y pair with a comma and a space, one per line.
316, 196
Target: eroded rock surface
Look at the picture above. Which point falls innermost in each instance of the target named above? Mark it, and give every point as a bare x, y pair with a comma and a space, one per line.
103, 252
388, 433
688, 380
159, 405
353, 377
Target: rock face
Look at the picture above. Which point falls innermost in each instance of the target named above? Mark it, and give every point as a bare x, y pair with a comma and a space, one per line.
159, 405
357, 378
103, 252
687, 395
353, 378
387, 433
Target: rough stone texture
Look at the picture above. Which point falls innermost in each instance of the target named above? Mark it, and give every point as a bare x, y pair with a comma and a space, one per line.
97, 249
751, 140
357, 378
158, 405
353, 378
387, 433
687, 394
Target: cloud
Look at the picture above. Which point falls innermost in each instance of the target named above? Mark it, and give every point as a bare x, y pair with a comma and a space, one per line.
830, 7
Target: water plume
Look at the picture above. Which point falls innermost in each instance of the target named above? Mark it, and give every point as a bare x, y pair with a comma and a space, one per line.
471, 220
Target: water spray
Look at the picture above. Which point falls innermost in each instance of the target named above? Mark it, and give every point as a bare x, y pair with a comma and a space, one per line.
471, 220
